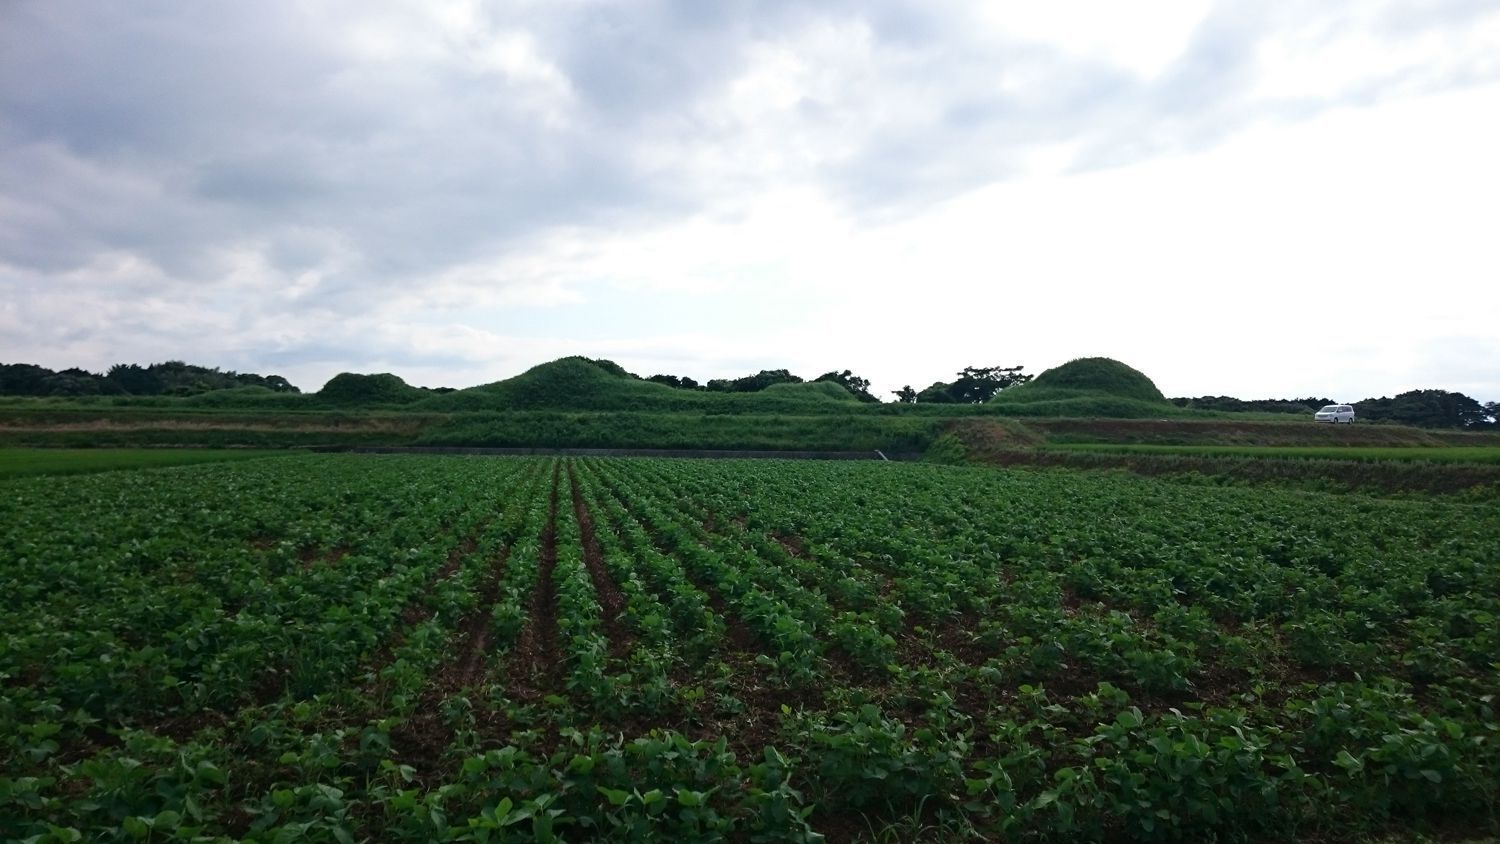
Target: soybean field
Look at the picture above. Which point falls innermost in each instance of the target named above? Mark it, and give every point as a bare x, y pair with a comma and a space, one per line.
412, 648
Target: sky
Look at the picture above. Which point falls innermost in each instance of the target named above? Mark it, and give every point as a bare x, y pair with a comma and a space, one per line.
1237, 198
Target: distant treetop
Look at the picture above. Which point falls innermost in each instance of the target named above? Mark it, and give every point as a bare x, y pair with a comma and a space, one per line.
169, 378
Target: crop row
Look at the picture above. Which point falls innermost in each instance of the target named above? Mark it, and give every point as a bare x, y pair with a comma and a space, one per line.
341, 647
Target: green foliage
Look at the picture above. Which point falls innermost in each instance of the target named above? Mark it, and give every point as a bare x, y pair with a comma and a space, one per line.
170, 378
339, 648
795, 430
1083, 404
578, 384
947, 449
18, 462
972, 385
1426, 409
1306, 407
676, 381
1437, 454
855, 385
938, 392
811, 390
752, 383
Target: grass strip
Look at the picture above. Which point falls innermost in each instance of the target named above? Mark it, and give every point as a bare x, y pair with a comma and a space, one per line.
22, 462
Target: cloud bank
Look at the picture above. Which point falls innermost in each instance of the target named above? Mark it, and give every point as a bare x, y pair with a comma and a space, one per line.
1235, 199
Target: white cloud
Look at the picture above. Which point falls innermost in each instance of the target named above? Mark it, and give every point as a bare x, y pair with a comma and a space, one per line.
1144, 38
1251, 200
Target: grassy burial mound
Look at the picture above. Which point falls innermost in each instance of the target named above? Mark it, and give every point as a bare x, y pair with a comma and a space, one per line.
349, 388
1086, 387
584, 384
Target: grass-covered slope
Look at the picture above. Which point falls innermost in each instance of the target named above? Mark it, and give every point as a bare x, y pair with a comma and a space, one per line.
1086, 387
19, 462
816, 391
568, 383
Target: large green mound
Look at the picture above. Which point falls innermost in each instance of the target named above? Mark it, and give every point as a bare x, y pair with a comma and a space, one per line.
1086, 387
380, 388
567, 383
579, 383
1100, 375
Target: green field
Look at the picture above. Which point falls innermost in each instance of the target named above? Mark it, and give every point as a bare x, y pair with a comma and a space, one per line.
1440, 454
400, 648
19, 462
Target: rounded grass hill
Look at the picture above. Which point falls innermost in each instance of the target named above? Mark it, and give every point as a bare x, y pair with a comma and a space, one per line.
585, 384
380, 388
1086, 387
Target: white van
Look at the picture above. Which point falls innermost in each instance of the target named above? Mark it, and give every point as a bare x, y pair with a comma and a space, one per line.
1336, 413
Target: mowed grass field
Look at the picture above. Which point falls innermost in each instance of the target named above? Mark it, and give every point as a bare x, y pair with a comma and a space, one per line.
21, 462
351, 648
1440, 454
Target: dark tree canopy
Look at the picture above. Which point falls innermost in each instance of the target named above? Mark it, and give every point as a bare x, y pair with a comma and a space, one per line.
979, 384
172, 377
973, 385
859, 387
1424, 408
753, 383
681, 382
1491, 410
1229, 403
939, 392
905, 395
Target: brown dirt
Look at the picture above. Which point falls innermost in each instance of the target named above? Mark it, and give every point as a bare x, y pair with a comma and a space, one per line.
418, 611
611, 601
477, 631
793, 545
534, 661
422, 739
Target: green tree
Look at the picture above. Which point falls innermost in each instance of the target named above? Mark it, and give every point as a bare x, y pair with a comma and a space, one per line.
905, 395
759, 381
1424, 408
136, 379
677, 382
937, 393
22, 379
859, 387
974, 385
979, 384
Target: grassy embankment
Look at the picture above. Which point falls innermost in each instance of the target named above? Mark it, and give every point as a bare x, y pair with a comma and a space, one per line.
1296, 453
578, 403
1439, 454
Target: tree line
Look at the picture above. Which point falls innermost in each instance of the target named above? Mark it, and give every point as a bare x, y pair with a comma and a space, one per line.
972, 385
170, 378
1421, 408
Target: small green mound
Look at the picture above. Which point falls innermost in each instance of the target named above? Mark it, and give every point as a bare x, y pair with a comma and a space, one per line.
1086, 387
381, 388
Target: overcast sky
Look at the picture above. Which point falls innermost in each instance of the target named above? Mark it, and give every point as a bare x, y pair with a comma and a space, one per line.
1244, 198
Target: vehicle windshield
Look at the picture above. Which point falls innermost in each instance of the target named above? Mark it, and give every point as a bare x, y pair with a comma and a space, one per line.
1332, 408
